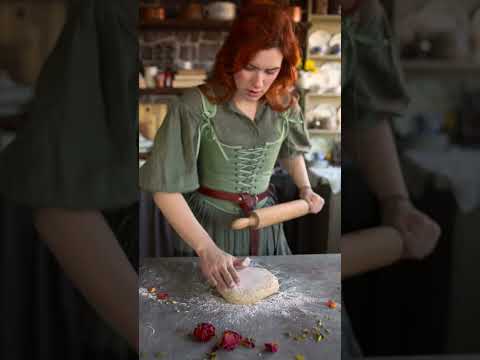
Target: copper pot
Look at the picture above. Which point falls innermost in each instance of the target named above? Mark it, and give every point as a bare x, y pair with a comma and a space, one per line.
193, 12
152, 13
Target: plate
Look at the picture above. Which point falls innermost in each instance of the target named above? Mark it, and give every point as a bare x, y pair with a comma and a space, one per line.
318, 42
335, 44
334, 71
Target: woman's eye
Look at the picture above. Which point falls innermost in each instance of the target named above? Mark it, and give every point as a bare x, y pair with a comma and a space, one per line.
271, 72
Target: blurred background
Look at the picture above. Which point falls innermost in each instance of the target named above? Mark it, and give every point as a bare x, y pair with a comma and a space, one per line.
43, 315
429, 307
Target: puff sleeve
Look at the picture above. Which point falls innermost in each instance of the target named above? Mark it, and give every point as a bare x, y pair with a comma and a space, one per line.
297, 141
172, 165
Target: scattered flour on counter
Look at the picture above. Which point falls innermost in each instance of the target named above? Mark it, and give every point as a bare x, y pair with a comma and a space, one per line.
294, 299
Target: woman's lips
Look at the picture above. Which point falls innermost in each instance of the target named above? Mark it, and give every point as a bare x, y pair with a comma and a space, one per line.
254, 93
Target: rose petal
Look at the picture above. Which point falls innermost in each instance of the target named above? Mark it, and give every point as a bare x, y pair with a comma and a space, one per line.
230, 340
331, 304
271, 347
204, 332
162, 296
248, 343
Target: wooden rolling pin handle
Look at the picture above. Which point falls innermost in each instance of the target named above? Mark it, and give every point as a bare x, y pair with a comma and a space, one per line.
275, 214
282, 212
244, 223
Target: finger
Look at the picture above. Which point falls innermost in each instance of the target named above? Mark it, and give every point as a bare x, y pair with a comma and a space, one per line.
212, 282
241, 263
318, 205
220, 283
311, 203
234, 274
227, 277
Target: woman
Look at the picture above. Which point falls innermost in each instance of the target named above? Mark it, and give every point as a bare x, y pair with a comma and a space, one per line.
76, 157
219, 143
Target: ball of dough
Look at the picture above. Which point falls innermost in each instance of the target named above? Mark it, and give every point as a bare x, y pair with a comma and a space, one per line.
255, 284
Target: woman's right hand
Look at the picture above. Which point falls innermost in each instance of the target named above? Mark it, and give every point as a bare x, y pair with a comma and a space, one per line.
218, 267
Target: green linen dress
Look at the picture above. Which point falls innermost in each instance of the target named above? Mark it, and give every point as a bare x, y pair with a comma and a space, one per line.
78, 149
217, 146
373, 88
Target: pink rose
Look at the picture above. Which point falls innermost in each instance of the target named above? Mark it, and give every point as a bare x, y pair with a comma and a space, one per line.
204, 332
230, 340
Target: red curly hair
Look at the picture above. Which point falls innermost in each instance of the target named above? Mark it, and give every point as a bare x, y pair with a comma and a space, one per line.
260, 25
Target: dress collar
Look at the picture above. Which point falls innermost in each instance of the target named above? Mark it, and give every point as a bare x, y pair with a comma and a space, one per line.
261, 107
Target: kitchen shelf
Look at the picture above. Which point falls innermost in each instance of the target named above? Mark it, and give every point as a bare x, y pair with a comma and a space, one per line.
324, 132
161, 91
187, 25
325, 57
325, 18
323, 96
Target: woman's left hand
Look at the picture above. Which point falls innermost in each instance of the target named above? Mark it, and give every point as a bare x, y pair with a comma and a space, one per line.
315, 201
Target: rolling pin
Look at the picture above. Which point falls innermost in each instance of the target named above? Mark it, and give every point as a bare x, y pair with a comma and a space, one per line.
275, 214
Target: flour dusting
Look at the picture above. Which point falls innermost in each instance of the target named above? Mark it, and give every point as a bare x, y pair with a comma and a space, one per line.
195, 301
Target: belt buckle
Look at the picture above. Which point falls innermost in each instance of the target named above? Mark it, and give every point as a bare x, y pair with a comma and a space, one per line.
249, 200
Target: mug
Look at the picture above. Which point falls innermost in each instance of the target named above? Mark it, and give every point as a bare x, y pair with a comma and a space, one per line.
220, 10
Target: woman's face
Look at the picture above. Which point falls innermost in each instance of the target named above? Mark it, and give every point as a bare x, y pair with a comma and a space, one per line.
254, 80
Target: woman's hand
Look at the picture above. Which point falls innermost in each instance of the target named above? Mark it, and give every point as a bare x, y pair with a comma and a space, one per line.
218, 267
419, 232
315, 201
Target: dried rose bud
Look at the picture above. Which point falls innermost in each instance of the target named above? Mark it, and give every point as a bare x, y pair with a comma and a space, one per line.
271, 347
162, 296
331, 304
230, 340
248, 343
204, 332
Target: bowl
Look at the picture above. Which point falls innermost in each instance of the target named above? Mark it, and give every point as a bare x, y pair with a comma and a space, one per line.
220, 10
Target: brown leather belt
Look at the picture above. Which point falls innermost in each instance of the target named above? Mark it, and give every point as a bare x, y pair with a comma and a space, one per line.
246, 202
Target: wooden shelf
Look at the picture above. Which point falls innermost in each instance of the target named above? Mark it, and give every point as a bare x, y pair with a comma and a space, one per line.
325, 57
324, 132
161, 91
324, 96
439, 65
187, 25
324, 18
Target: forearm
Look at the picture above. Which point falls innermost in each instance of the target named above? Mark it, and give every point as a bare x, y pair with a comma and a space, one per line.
370, 249
374, 152
90, 254
180, 217
297, 169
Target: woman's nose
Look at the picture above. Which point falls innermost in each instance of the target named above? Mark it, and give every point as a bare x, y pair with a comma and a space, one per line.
258, 80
